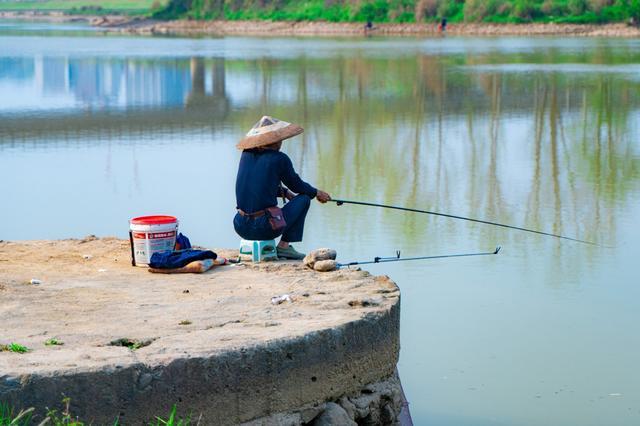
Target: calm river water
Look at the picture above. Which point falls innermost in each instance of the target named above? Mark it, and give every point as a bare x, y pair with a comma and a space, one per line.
535, 132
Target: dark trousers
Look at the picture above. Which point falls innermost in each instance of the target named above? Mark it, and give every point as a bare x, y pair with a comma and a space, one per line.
295, 212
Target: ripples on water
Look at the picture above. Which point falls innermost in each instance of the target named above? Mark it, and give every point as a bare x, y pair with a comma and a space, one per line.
536, 132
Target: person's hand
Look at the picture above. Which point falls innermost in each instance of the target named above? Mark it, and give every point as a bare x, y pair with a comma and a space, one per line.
289, 195
322, 196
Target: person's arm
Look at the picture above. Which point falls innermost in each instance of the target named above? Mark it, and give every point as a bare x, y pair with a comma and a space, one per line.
289, 177
283, 192
289, 195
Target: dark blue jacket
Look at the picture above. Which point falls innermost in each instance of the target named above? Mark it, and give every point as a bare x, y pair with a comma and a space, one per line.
259, 177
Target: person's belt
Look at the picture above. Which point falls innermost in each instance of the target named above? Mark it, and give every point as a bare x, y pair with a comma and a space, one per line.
251, 215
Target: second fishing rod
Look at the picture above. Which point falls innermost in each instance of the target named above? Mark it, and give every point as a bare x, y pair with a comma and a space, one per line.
340, 202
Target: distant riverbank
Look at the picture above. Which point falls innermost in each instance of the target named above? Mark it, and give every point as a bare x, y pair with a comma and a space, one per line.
125, 24
356, 29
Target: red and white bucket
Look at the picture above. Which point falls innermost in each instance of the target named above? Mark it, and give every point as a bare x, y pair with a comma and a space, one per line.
150, 234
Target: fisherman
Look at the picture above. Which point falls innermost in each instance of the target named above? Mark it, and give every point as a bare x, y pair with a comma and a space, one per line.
442, 27
262, 171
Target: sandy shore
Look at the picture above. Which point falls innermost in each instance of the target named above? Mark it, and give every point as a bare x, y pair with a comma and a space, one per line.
130, 25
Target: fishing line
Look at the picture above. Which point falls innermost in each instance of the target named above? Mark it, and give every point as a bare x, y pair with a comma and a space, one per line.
362, 203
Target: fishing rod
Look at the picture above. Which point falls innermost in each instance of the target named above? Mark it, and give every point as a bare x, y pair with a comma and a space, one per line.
362, 203
397, 258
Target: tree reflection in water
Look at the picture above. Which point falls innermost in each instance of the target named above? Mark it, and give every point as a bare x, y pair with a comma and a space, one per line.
430, 131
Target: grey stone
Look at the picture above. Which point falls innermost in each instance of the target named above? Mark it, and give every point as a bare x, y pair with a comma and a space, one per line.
348, 407
310, 413
318, 255
325, 265
375, 401
365, 404
387, 415
333, 415
372, 419
145, 380
279, 419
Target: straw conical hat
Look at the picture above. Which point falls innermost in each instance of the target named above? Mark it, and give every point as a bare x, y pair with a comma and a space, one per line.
268, 130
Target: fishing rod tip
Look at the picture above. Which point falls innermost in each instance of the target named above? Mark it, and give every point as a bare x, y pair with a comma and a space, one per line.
497, 250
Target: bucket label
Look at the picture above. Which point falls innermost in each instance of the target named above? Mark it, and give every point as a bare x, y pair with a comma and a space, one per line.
147, 243
155, 235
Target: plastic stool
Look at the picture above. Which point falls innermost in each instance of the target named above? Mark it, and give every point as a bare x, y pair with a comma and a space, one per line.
259, 249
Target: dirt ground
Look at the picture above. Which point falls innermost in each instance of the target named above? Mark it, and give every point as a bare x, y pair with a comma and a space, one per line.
184, 27
86, 295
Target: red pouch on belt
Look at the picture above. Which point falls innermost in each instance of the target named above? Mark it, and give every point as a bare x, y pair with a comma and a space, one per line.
276, 218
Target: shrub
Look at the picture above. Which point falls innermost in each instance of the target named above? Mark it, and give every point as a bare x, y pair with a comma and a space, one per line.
478, 10
634, 11
426, 8
523, 9
156, 6
577, 7
450, 8
598, 5
337, 13
401, 10
504, 9
173, 10
210, 8
617, 11
553, 8
376, 10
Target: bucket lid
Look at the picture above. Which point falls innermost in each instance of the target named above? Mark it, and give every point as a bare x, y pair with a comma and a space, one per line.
153, 220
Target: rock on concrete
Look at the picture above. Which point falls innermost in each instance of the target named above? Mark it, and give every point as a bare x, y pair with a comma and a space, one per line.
318, 255
211, 343
379, 403
334, 415
325, 265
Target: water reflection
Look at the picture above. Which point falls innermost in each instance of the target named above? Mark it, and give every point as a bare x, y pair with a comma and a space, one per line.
91, 83
440, 122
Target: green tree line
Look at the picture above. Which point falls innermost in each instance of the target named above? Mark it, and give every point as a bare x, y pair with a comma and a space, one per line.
490, 11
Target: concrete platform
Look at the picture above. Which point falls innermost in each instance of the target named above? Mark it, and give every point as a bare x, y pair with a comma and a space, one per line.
211, 343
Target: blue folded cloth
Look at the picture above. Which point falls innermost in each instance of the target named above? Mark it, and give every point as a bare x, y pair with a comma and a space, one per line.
177, 259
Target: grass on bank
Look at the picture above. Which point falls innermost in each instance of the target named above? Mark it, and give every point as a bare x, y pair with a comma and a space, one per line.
14, 347
173, 419
489, 11
132, 344
93, 7
9, 417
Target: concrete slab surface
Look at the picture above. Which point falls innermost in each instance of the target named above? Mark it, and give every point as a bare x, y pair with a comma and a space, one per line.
213, 343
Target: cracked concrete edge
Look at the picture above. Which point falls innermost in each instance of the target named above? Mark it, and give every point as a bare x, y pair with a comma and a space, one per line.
230, 387
377, 403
